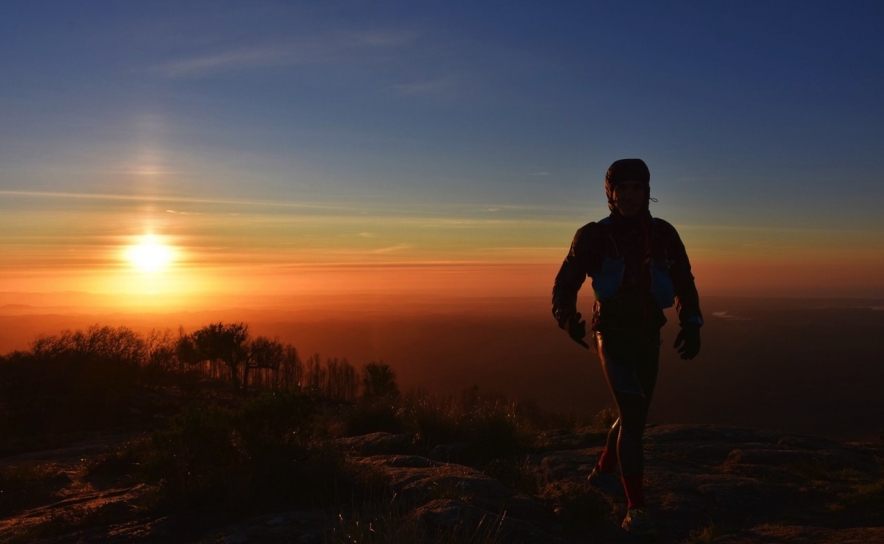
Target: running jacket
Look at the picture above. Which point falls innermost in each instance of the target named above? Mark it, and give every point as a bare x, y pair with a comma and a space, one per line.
638, 267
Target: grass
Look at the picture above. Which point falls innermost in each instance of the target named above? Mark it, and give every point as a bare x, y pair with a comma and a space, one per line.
703, 535
865, 498
28, 485
381, 518
267, 451
70, 520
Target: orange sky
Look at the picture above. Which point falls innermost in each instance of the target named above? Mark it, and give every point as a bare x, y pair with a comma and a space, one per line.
228, 253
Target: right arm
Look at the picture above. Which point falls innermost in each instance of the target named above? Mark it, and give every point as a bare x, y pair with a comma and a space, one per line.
579, 262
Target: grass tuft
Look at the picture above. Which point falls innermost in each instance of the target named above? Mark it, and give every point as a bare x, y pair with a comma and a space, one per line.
703, 535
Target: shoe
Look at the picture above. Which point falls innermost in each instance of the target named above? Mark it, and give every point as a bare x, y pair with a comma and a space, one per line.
638, 522
608, 483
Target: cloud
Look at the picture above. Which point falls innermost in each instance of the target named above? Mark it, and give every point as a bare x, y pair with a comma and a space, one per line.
237, 59
391, 249
538, 174
329, 47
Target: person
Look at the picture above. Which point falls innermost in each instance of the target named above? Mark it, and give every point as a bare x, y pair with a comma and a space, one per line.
638, 267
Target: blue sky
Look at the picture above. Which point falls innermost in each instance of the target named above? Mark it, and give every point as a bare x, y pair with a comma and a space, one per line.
749, 114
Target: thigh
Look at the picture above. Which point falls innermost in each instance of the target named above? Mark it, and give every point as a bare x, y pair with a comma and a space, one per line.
630, 362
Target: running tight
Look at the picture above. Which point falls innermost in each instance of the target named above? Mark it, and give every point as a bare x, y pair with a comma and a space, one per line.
630, 363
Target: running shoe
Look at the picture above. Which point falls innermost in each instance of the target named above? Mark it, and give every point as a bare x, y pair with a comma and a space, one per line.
608, 483
638, 522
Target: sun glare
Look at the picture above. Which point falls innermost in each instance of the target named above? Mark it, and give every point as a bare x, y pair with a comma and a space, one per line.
150, 254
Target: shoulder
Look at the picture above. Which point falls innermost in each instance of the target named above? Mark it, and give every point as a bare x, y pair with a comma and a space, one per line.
591, 231
588, 239
668, 236
664, 227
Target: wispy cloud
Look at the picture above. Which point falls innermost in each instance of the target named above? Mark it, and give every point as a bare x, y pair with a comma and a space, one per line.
321, 48
175, 199
391, 249
242, 58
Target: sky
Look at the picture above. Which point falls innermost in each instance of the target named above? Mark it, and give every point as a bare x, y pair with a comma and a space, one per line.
181, 153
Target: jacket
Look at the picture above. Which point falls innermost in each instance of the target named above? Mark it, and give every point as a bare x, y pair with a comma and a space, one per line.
638, 267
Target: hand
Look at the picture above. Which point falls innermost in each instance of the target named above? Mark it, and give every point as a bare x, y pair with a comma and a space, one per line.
577, 329
688, 341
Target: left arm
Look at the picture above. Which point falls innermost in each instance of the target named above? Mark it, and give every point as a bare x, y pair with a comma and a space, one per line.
687, 301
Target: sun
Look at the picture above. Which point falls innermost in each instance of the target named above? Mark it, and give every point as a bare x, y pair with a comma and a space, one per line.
150, 254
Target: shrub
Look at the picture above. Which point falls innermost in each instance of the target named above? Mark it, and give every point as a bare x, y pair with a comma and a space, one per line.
266, 451
379, 381
374, 415
489, 426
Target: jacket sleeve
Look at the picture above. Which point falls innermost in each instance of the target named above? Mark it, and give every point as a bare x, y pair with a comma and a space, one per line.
687, 300
572, 274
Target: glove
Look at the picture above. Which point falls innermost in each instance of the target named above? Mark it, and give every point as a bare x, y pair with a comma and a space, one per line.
688, 341
577, 329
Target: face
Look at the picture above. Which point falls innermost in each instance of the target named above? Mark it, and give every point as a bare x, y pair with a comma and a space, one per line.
629, 197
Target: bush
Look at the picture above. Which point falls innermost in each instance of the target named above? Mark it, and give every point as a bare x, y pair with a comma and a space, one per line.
490, 426
266, 451
374, 415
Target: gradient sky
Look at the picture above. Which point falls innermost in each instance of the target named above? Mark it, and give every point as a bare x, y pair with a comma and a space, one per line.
285, 147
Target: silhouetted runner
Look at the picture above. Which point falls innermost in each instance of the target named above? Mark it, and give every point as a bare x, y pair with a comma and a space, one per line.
638, 267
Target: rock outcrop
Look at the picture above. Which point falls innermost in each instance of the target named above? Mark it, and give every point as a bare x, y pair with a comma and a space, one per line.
704, 484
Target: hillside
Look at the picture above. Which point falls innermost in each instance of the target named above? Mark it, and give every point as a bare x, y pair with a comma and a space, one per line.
705, 484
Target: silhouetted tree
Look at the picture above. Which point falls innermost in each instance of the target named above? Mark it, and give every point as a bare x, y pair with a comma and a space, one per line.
292, 371
225, 342
315, 377
262, 353
379, 381
340, 380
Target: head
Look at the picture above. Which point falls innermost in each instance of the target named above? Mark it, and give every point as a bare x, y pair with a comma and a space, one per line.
627, 186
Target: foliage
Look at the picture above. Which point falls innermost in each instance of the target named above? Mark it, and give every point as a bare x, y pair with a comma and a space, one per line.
267, 450
491, 425
379, 381
378, 517
78, 380
225, 342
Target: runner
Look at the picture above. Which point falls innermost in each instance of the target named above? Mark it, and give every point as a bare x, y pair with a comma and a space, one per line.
638, 267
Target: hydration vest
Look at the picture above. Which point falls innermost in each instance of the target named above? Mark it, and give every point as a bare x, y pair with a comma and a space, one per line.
607, 281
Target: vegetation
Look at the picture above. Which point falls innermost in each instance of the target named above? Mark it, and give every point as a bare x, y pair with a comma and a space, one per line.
266, 439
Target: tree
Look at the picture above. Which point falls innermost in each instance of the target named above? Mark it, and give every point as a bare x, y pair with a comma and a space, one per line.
262, 353
379, 381
225, 342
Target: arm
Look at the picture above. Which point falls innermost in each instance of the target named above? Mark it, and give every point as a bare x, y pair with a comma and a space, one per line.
687, 300
570, 278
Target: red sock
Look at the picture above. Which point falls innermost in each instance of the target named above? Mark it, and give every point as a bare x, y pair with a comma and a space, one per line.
635, 493
608, 461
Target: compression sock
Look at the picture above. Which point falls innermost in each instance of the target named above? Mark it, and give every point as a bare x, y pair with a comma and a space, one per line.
635, 493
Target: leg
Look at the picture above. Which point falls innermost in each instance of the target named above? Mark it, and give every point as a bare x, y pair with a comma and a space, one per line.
630, 365
608, 461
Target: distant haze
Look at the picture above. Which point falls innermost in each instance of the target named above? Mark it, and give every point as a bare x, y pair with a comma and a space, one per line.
801, 365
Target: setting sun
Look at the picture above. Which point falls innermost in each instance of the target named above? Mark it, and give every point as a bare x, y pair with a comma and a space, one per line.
150, 254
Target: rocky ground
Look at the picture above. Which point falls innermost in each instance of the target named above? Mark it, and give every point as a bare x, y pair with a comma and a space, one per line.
704, 484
